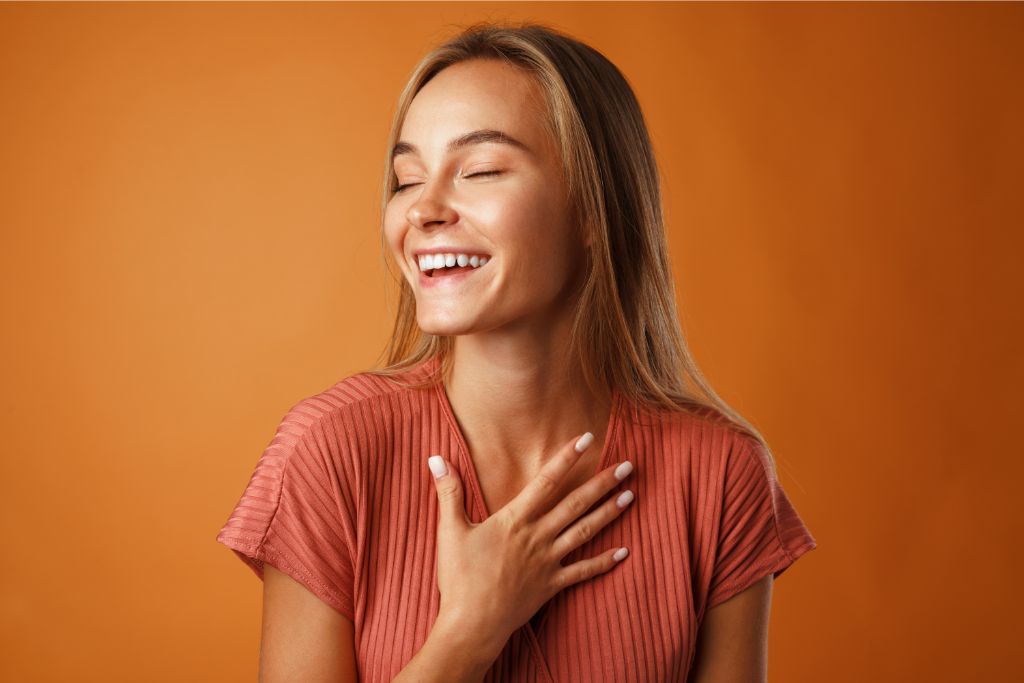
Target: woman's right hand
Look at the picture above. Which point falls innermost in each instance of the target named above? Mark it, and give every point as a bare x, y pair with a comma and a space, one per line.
494, 575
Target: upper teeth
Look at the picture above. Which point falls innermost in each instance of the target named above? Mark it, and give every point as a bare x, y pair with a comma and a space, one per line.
433, 261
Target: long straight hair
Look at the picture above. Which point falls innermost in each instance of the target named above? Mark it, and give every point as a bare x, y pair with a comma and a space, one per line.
625, 330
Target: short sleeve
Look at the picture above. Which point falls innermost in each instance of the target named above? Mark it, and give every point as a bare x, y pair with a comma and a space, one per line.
294, 513
759, 532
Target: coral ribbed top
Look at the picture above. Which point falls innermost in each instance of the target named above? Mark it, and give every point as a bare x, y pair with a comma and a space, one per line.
342, 501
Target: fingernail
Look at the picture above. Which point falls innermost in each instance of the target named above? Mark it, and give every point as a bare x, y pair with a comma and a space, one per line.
625, 499
620, 554
583, 442
437, 466
623, 470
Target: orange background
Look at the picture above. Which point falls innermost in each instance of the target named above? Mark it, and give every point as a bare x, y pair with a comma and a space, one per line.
189, 208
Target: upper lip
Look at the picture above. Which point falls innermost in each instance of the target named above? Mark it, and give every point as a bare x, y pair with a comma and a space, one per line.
449, 250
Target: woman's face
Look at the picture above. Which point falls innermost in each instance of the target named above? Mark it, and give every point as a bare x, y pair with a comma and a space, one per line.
485, 197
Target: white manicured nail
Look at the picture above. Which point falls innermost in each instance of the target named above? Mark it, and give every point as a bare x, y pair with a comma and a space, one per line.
620, 554
623, 470
437, 466
583, 442
625, 499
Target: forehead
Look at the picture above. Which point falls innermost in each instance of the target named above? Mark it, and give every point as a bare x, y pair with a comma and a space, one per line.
475, 95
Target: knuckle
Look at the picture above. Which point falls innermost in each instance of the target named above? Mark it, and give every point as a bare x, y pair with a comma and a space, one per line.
584, 530
510, 522
576, 505
447, 492
545, 483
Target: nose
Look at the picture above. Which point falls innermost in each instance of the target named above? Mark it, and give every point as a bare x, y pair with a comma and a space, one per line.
431, 209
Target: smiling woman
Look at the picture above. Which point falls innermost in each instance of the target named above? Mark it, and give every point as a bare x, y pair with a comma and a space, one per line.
536, 364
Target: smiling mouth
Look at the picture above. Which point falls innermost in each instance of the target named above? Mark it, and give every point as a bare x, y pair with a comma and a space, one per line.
446, 272
441, 272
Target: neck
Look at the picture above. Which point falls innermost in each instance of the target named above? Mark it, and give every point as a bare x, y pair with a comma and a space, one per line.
517, 409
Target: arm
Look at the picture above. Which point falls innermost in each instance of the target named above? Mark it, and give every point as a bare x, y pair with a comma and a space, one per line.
450, 655
304, 638
732, 646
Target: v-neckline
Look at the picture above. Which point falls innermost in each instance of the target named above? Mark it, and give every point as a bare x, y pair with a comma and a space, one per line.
472, 481
469, 468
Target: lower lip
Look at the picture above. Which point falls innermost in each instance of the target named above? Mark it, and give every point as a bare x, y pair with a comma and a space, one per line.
450, 280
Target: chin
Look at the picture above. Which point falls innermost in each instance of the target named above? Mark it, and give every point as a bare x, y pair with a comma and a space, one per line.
438, 326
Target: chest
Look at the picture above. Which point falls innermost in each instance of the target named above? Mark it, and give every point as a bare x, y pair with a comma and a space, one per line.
500, 484
635, 622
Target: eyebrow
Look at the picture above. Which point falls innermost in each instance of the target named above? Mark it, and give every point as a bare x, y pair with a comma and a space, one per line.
475, 137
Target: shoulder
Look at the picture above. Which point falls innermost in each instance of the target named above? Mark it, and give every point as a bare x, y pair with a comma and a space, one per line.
357, 406
349, 393
703, 431
727, 448
697, 450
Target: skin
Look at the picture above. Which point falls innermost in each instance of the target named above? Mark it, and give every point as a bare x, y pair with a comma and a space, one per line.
732, 644
511, 322
303, 638
512, 317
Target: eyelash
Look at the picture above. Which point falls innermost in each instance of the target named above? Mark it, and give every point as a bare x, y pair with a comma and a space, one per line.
399, 188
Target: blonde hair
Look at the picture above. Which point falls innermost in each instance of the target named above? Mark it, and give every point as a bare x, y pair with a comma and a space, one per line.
625, 331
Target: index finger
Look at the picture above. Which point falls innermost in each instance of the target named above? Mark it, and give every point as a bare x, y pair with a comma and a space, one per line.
530, 500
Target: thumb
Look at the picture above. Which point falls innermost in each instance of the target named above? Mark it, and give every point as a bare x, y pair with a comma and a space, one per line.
449, 491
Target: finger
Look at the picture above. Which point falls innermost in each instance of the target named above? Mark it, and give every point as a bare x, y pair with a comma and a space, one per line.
530, 502
586, 528
589, 568
579, 501
449, 492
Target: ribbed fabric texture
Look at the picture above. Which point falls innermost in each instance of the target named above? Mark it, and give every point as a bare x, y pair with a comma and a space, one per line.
342, 501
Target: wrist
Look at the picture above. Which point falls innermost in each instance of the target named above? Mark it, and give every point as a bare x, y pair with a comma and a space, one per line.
478, 646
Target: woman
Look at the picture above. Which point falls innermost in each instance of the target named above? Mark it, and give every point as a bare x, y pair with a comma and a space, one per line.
538, 358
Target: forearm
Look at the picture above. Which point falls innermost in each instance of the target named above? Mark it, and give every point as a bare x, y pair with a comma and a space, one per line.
451, 654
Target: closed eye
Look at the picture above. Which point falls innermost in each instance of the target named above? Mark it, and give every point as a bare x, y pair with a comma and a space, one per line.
473, 175
399, 188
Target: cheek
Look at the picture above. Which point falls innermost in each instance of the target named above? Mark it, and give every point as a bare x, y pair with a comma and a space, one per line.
518, 214
537, 261
394, 235
535, 227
